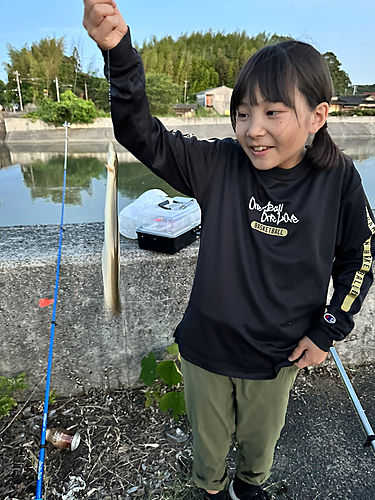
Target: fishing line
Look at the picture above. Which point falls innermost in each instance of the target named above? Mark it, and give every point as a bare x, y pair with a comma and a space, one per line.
109, 82
53, 324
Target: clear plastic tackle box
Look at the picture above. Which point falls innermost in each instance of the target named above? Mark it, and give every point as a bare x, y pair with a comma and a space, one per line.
169, 225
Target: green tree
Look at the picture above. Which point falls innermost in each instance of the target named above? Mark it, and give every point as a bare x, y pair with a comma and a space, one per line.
340, 78
71, 109
98, 91
43, 62
204, 59
38, 66
21, 60
162, 93
361, 89
4, 94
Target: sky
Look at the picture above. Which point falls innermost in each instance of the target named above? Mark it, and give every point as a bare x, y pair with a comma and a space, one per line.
339, 26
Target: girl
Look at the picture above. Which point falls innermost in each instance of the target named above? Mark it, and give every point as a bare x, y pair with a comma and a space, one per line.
278, 219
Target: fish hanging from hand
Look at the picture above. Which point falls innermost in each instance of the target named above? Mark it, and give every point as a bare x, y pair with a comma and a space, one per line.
111, 247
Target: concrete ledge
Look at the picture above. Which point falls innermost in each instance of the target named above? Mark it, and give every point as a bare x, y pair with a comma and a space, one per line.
93, 349
23, 130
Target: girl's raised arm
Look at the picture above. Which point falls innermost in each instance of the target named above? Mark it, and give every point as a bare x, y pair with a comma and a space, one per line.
104, 23
186, 163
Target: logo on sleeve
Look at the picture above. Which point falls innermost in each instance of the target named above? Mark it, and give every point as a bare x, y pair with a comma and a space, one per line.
330, 318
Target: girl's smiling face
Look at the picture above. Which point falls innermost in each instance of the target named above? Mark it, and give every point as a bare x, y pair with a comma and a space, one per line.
273, 134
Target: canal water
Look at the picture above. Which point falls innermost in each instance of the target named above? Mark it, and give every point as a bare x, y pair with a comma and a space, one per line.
31, 181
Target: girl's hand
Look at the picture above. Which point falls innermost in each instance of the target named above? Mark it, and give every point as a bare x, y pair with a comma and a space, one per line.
104, 22
312, 355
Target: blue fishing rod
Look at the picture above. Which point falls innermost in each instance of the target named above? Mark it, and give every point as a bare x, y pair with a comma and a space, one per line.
356, 403
53, 324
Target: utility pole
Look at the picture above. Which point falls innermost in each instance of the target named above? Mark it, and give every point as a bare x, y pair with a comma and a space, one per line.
57, 89
18, 88
75, 79
354, 89
186, 82
86, 95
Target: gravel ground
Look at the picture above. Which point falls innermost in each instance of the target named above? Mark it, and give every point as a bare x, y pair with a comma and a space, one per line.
127, 451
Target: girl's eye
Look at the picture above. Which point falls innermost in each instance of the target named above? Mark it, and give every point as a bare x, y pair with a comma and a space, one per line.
241, 115
272, 113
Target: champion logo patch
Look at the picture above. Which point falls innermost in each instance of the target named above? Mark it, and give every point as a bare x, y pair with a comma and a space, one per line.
330, 318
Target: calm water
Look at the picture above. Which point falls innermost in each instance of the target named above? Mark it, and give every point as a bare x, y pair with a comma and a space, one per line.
31, 186
31, 182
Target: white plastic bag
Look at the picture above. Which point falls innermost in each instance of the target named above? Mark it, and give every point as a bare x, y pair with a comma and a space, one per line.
128, 215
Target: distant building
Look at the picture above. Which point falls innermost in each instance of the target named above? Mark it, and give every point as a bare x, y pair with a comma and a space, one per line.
217, 98
186, 110
350, 102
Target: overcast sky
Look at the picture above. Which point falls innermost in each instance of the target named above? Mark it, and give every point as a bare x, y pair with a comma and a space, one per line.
343, 27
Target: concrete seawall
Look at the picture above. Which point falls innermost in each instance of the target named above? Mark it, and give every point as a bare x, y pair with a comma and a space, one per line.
93, 349
23, 130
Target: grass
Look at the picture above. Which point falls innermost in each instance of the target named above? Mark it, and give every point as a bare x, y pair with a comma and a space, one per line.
179, 490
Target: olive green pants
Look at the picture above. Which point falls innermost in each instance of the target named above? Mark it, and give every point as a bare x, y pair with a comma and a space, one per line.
220, 407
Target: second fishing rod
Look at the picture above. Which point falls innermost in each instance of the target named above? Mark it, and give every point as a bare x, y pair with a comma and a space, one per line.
39, 485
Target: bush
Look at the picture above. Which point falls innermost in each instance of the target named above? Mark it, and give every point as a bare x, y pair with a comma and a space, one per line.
201, 111
164, 381
357, 112
71, 109
9, 386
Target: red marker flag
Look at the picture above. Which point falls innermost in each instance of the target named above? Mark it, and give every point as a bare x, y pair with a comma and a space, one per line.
45, 302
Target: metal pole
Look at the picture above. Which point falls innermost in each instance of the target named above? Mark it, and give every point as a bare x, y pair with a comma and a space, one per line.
186, 82
50, 352
353, 396
57, 89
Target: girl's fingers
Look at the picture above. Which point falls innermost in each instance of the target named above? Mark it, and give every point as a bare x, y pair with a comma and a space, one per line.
107, 35
104, 22
95, 16
296, 353
90, 4
311, 359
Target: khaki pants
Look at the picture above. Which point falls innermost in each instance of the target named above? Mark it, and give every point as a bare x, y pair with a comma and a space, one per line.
219, 407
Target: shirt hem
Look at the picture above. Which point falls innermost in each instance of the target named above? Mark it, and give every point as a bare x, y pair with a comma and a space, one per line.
228, 371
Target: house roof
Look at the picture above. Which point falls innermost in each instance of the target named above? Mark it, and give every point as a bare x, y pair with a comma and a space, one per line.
352, 100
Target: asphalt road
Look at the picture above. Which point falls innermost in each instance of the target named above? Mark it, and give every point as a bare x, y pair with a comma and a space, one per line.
321, 453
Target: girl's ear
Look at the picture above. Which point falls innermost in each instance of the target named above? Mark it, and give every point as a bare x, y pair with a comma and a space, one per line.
319, 117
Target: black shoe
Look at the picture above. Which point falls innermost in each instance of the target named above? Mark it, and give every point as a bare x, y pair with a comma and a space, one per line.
222, 495
262, 495
239, 490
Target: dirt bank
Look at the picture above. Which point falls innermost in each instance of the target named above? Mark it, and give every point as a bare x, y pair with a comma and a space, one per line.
128, 451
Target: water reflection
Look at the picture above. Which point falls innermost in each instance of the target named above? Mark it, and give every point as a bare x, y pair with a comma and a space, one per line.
358, 149
45, 178
31, 191
5, 158
31, 180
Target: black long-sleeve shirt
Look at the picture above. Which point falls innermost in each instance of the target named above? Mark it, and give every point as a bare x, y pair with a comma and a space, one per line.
270, 239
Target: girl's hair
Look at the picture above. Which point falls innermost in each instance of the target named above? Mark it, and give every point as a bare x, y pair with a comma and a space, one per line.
277, 70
